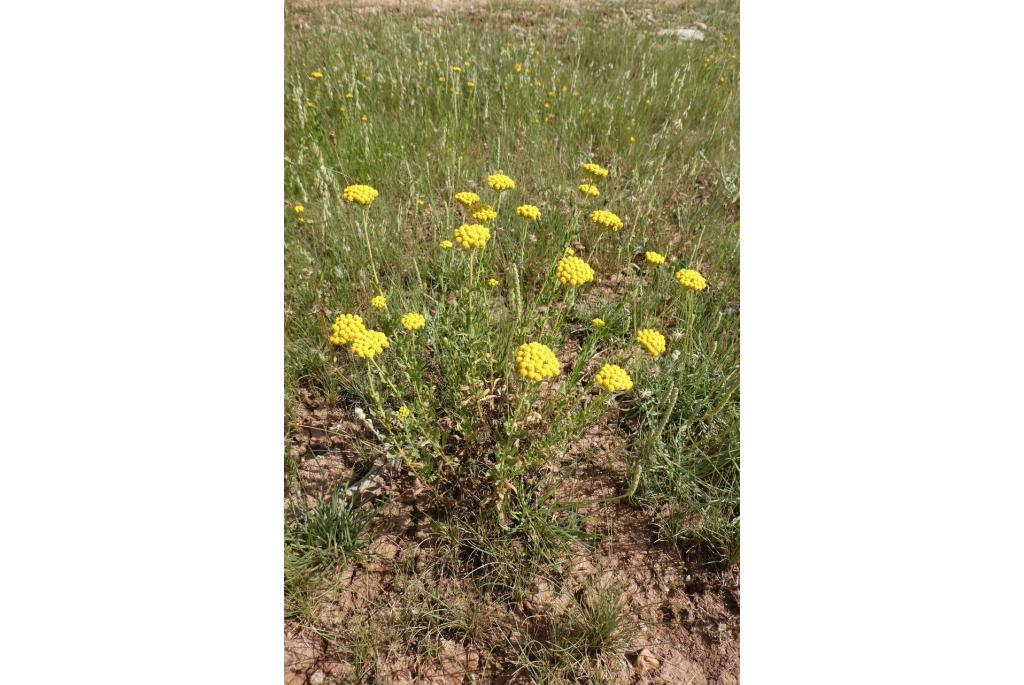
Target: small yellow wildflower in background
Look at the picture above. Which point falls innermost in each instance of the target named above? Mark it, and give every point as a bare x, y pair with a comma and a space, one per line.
517, 67
369, 344
298, 209
654, 257
482, 212
309, 103
364, 118
379, 302
606, 219
348, 96
651, 340
471, 236
573, 271
528, 212
500, 182
413, 321
537, 362
457, 69
346, 328
613, 377
632, 139
316, 74
493, 282
588, 189
446, 244
595, 170
360, 194
470, 84
402, 413
466, 198
598, 323
420, 202
689, 278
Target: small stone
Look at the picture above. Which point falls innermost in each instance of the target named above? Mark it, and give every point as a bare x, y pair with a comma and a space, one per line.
645, 662
317, 678
683, 34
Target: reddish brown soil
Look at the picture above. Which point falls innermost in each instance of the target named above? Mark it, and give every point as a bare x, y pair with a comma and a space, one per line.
687, 616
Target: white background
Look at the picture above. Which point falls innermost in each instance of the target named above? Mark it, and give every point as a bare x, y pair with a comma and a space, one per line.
141, 280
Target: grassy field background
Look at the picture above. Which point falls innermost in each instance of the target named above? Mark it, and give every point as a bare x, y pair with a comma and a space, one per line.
544, 532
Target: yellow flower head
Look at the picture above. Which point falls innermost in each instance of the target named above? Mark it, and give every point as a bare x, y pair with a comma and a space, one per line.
413, 321
528, 212
456, 69
446, 244
348, 96
316, 74
595, 170
402, 413
466, 198
493, 282
598, 323
482, 212
299, 209
369, 344
471, 236
360, 194
613, 377
570, 252
470, 84
651, 340
689, 278
654, 257
537, 361
379, 302
500, 182
346, 328
606, 219
517, 67
573, 271
588, 189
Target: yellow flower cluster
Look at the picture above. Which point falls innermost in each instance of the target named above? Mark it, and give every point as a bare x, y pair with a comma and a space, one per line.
346, 328
606, 219
466, 198
573, 271
528, 212
588, 189
379, 302
493, 282
654, 257
500, 182
651, 340
413, 321
299, 209
689, 278
598, 323
482, 212
316, 74
472, 236
369, 344
537, 361
446, 244
613, 377
360, 194
402, 413
595, 170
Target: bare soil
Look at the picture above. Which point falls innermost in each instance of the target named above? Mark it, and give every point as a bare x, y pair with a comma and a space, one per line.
686, 615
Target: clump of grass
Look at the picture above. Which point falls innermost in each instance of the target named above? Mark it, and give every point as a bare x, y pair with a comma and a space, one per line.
327, 535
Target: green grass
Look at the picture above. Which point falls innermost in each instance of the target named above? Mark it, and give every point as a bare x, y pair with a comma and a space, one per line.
482, 441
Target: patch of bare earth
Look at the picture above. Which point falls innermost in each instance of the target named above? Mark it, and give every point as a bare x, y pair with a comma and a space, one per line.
388, 618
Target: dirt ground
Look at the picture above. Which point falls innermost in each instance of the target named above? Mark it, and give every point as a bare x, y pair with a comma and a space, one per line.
687, 616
